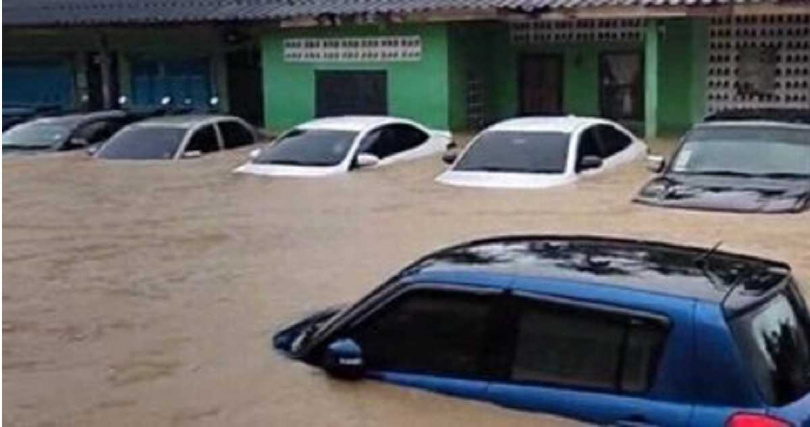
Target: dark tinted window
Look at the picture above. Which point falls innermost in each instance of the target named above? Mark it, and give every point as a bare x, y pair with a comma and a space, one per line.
588, 146
204, 140
529, 152
391, 140
310, 147
143, 143
584, 348
613, 140
428, 332
234, 134
774, 340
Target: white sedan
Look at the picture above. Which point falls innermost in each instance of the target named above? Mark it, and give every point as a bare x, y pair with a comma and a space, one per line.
337, 145
541, 152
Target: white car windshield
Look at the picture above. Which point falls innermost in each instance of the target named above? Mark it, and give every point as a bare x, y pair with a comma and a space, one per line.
757, 151
309, 147
513, 151
160, 143
35, 135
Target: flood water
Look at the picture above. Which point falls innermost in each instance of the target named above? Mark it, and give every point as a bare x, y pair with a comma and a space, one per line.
145, 295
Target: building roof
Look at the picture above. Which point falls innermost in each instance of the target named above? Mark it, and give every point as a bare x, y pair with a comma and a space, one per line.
105, 12
640, 265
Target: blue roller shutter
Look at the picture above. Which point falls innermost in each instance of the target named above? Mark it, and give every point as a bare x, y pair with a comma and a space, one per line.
38, 82
179, 79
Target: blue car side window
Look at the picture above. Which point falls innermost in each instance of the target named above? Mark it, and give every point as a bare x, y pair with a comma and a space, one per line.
582, 348
427, 332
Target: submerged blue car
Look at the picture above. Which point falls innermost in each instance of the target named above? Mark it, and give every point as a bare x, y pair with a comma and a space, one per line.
608, 331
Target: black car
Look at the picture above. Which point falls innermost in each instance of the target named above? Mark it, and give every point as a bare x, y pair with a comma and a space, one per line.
68, 132
755, 163
14, 115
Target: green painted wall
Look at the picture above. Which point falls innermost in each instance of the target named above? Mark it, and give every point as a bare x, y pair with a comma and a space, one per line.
652, 60
416, 90
473, 52
681, 74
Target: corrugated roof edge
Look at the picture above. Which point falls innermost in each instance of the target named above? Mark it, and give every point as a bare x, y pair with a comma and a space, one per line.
74, 12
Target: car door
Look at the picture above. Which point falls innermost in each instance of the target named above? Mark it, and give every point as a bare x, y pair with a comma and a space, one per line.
90, 134
395, 142
588, 144
586, 361
203, 140
617, 145
433, 337
235, 134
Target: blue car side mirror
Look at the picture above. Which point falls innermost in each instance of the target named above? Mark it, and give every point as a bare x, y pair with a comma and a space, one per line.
344, 359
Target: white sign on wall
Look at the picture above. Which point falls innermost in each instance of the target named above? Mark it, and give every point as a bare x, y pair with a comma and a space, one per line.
353, 49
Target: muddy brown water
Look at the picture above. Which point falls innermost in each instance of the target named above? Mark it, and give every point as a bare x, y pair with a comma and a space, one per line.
140, 294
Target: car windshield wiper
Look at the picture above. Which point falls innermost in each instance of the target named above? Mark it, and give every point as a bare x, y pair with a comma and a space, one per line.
26, 147
496, 169
722, 173
290, 162
784, 175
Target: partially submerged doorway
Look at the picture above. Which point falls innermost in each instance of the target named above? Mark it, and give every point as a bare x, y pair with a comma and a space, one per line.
621, 87
541, 84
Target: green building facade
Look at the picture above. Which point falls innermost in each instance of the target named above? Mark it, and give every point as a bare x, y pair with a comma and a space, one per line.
657, 69
475, 73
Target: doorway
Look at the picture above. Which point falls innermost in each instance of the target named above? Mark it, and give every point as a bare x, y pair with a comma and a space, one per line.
245, 85
541, 84
621, 86
95, 81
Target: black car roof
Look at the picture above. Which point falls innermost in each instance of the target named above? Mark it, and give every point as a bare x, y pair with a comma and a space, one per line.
783, 115
637, 264
78, 119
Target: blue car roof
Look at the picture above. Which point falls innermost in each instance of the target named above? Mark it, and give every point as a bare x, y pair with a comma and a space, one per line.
634, 264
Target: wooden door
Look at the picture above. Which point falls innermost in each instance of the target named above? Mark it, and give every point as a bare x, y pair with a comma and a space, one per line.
541, 83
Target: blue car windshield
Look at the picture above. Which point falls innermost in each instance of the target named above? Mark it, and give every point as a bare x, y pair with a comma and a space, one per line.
775, 340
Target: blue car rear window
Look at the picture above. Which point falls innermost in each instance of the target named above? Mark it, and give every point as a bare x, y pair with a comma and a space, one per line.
775, 340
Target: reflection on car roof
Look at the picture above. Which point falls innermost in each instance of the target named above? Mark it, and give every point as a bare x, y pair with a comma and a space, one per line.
75, 119
565, 124
647, 266
753, 124
182, 121
349, 123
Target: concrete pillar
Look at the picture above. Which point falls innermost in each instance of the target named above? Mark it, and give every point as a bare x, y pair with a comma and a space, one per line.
652, 44
105, 63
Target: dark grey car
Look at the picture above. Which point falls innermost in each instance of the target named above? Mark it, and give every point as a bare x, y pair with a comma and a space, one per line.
749, 166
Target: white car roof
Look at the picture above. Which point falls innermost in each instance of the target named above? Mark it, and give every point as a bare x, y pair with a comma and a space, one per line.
565, 124
351, 123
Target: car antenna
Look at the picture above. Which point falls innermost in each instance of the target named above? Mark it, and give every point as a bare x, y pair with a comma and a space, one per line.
702, 262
